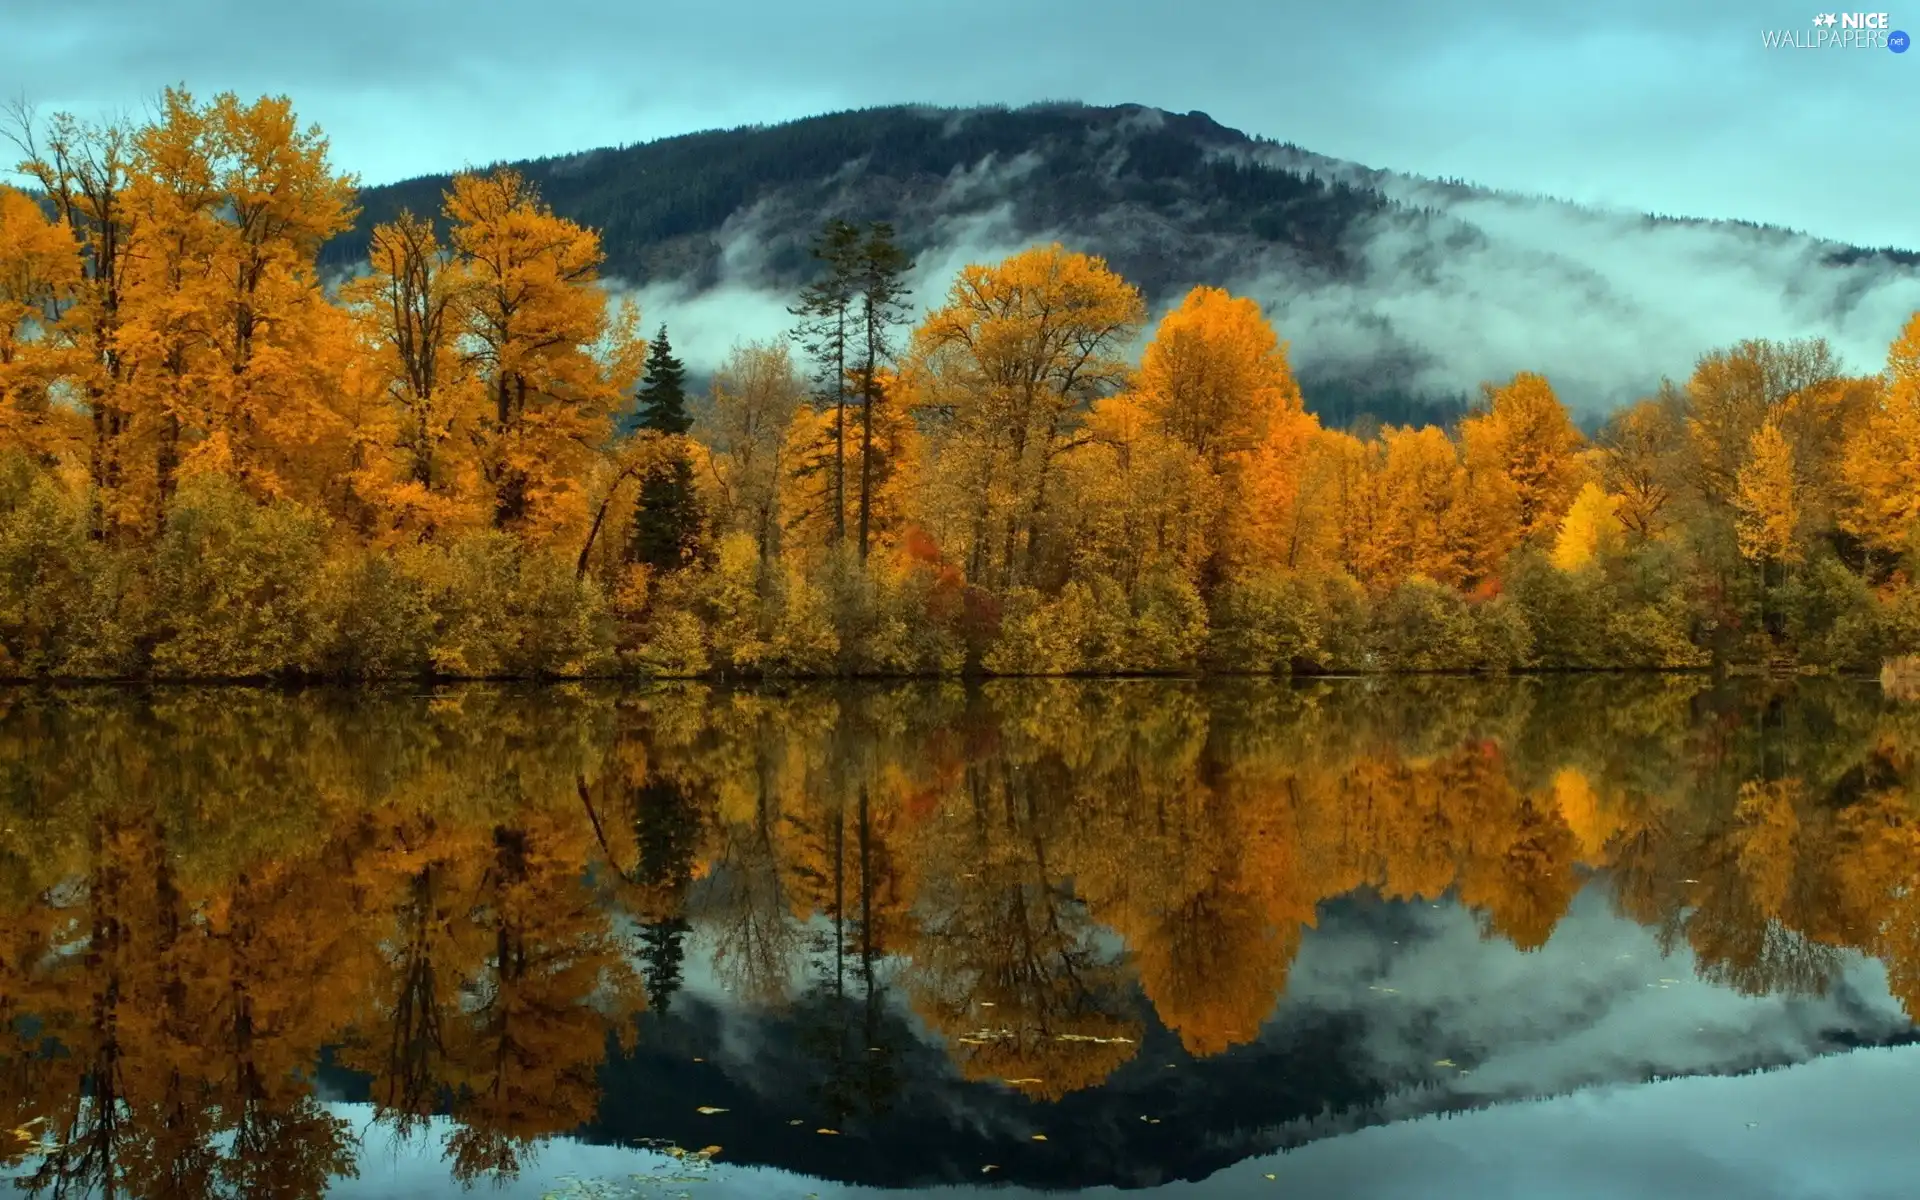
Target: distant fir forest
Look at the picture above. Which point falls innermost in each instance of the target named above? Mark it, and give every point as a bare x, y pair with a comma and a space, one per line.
469, 461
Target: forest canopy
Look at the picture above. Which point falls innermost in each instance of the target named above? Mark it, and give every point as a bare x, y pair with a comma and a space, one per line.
467, 461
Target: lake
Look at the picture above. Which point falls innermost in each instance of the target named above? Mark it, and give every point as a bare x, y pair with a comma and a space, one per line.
1585, 935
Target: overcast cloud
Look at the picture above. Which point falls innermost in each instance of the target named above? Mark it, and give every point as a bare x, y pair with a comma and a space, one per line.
1668, 105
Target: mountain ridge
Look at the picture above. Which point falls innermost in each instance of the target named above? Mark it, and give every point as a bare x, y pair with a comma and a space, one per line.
1398, 293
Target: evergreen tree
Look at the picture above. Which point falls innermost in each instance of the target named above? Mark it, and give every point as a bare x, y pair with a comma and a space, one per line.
667, 518
828, 334
880, 273
663, 397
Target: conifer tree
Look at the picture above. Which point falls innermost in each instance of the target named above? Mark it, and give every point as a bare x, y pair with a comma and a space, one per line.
828, 334
880, 274
666, 519
663, 397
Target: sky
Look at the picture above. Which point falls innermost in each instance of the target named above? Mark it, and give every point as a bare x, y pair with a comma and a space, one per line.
1674, 107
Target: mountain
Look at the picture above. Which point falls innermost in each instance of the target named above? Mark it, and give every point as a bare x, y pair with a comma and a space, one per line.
1398, 294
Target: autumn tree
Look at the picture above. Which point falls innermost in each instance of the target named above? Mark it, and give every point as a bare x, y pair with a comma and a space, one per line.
1639, 458
412, 307
553, 361
84, 169
1216, 378
40, 277
756, 396
1007, 368
1526, 438
1589, 530
1731, 394
238, 352
1880, 464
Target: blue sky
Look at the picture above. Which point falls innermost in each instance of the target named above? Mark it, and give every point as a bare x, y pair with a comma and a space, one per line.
1673, 106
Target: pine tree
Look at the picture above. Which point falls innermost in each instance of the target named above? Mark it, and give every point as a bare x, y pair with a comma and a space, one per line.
667, 517
828, 334
880, 272
667, 823
663, 398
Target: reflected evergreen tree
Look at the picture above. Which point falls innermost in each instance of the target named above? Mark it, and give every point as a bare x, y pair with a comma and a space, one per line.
662, 949
667, 824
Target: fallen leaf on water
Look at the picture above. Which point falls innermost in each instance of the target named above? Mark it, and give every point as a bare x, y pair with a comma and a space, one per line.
796, 1122
709, 1151
1153, 1120
1445, 1062
707, 1110
1039, 1137
829, 1132
1271, 1175
1018, 1082
699, 1060
989, 1167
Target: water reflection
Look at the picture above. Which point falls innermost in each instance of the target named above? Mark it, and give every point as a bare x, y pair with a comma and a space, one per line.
935, 920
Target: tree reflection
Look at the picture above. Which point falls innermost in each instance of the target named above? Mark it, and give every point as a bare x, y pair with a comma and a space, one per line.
466, 898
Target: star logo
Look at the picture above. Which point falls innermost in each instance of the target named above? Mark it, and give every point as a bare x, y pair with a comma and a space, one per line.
1824, 19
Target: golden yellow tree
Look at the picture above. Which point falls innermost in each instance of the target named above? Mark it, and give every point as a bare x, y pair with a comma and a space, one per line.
1638, 452
553, 361
1526, 436
84, 170
1590, 528
1003, 372
227, 305
40, 276
1880, 463
1215, 375
410, 309
1766, 496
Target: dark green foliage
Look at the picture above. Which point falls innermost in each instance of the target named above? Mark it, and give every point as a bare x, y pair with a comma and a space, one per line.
662, 398
667, 518
829, 336
881, 276
660, 205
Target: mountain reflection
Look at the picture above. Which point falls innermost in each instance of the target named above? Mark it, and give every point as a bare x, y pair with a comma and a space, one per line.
462, 904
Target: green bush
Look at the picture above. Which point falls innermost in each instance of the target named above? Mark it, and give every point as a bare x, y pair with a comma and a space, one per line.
232, 592
63, 606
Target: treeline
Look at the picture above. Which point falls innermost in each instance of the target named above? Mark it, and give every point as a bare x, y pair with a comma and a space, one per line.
465, 897
467, 462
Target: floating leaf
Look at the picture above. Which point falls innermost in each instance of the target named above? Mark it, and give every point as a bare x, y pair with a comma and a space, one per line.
707, 1110
1019, 1082
1445, 1062
1039, 1137
829, 1132
989, 1167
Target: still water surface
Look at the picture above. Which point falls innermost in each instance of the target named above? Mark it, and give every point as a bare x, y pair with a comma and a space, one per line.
1358, 938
